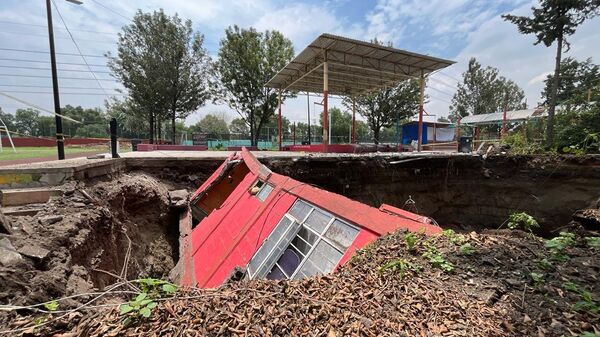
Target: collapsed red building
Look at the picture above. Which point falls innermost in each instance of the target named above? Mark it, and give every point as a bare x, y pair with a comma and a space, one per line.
260, 224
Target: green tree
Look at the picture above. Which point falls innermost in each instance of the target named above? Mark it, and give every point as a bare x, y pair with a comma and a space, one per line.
443, 119
8, 119
484, 91
213, 125
341, 122
239, 126
383, 108
302, 131
26, 121
162, 63
576, 80
46, 126
552, 22
247, 60
273, 127
130, 121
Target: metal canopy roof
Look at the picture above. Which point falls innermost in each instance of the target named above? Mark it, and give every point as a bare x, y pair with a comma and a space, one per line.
354, 66
496, 117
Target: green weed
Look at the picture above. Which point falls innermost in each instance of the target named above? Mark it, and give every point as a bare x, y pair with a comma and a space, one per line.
466, 249
593, 241
400, 266
141, 306
586, 302
437, 260
538, 279
522, 221
411, 240
457, 239
559, 244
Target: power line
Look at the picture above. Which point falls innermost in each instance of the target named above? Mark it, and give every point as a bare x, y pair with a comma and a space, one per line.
56, 37
73, 70
440, 91
64, 63
111, 10
63, 93
38, 107
77, 46
65, 78
48, 87
47, 52
45, 27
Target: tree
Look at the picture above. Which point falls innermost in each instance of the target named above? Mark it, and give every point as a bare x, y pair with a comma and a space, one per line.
385, 107
443, 119
273, 124
552, 22
162, 64
46, 126
576, 80
247, 60
483, 91
8, 119
341, 122
213, 125
26, 121
239, 126
130, 121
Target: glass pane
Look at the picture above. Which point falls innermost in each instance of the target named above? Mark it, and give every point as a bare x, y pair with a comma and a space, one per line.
325, 256
276, 274
286, 238
318, 220
264, 192
308, 269
307, 235
341, 234
300, 210
289, 261
302, 246
269, 244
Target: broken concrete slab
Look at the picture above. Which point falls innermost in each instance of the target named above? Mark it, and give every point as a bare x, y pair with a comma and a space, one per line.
4, 224
179, 198
25, 196
50, 219
589, 218
34, 251
8, 253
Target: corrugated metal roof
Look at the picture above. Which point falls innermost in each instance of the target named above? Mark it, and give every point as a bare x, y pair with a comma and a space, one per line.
354, 66
516, 115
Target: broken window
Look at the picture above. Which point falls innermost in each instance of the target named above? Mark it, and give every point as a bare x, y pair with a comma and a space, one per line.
306, 242
264, 192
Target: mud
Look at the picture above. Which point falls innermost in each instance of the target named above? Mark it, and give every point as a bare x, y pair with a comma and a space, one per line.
81, 241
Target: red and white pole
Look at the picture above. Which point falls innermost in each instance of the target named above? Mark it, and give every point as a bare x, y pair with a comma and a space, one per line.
279, 121
325, 101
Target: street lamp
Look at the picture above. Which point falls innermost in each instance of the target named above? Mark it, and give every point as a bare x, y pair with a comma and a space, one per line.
60, 140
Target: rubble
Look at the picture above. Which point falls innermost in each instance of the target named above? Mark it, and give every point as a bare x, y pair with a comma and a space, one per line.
8, 253
5, 226
179, 198
50, 219
386, 290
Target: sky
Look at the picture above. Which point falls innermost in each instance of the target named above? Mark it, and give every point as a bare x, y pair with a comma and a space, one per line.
451, 29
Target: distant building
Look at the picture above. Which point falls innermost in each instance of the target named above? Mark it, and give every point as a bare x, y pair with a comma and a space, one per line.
433, 132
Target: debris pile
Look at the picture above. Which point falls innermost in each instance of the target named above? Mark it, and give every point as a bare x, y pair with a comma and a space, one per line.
86, 239
496, 283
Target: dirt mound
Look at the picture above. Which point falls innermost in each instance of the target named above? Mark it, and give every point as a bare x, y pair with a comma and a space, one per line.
498, 283
81, 241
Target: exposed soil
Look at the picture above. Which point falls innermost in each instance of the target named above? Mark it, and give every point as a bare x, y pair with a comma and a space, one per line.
81, 240
488, 293
466, 192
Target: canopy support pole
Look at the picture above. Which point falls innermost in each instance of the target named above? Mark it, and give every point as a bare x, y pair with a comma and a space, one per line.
353, 120
421, 99
279, 120
325, 101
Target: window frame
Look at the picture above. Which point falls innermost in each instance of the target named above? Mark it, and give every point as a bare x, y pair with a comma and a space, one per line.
297, 225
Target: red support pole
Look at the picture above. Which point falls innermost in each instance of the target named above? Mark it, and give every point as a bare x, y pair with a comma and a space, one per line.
279, 121
325, 104
294, 136
353, 121
420, 131
504, 130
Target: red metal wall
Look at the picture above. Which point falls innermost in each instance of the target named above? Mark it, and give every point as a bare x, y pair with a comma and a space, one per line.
49, 142
231, 235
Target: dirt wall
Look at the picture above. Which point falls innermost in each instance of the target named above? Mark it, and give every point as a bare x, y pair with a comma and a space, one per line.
467, 191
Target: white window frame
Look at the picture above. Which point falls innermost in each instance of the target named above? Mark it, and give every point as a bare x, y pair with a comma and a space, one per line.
302, 223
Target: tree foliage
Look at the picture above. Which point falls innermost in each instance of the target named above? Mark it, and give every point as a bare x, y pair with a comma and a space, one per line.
239, 126
247, 60
163, 66
576, 79
551, 22
385, 107
213, 125
483, 91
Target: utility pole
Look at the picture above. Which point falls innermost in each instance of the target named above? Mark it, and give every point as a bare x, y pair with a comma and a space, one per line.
60, 140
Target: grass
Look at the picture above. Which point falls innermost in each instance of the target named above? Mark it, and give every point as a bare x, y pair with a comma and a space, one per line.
44, 152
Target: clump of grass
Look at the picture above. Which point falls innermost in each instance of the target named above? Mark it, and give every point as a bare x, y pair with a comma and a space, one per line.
522, 221
559, 244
